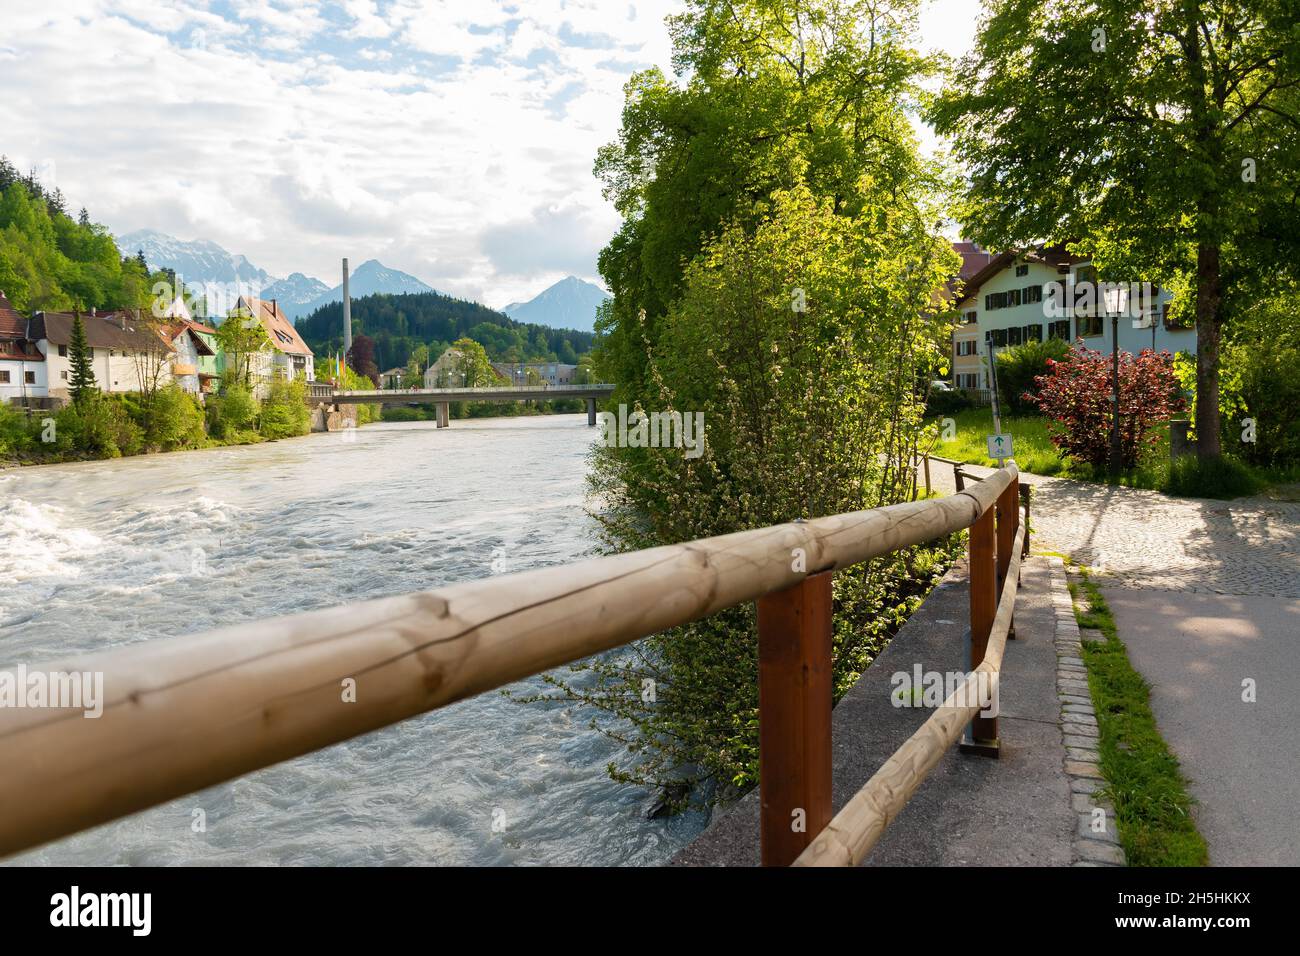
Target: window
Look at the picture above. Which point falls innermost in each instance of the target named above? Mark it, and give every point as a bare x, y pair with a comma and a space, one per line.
1014, 335
1022, 271
1032, 293
998, 337
63, 351
1089, 326
64, 375
969, 318
1059, 329
1033, 333
29, 378
1002, 300
4, 376
967, 347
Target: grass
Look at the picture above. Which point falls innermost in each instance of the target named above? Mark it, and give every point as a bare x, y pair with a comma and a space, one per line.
1152, 805
1224, 479
1034, 451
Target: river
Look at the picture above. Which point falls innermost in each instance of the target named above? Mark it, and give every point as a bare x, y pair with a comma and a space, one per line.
101, 554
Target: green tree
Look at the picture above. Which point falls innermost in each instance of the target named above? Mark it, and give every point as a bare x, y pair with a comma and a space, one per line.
81, 375
473, 367
776, 272
284, 411
242, 340
768, 95
1162, 136
804, 413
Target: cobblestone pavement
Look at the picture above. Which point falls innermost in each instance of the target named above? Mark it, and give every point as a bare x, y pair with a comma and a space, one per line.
1143, 539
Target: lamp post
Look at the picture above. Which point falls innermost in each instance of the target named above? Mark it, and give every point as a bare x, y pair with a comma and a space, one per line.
1116, 450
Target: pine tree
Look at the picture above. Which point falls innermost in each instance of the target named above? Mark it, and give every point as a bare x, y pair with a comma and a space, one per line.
81, 377
83, 218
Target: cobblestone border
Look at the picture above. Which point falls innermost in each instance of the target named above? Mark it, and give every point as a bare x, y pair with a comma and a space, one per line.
1093, 846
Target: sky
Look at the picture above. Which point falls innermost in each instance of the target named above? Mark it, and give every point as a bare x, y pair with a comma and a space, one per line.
451, 140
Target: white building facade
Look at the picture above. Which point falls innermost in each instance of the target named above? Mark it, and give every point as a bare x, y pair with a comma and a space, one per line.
1048, 293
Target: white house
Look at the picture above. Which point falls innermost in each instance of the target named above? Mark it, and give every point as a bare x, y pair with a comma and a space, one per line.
1049, 293
445, 372
126, 350
22, 365
289, 356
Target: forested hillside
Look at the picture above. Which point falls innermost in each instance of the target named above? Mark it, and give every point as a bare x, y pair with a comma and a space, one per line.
399, 324
49, 260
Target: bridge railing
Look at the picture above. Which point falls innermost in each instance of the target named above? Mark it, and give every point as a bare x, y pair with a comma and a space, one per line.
184, 713
485, 389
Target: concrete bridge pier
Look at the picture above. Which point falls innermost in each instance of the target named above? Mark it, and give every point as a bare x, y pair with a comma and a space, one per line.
591, 413
444, 414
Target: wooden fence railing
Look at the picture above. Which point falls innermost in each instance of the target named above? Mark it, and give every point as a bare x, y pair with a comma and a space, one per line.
184, 713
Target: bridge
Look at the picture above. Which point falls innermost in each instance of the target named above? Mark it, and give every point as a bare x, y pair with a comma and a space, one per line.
323, 394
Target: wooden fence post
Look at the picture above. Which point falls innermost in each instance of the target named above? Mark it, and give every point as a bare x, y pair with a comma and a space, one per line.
1026, 492
1008, 522
982, 735
794, 717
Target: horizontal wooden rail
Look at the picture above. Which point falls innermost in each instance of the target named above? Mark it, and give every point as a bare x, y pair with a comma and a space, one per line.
861, 823
184, 713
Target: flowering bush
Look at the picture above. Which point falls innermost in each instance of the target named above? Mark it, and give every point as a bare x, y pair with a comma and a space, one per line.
1075, 396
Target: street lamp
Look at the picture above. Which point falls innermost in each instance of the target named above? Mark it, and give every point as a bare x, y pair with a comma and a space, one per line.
1116, 448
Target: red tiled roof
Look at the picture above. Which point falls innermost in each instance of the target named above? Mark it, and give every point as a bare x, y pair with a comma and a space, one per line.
195, 329
11, 323
973, 258
1054, 255
279, 329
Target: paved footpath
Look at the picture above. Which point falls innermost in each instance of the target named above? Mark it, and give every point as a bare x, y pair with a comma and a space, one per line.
1206, 596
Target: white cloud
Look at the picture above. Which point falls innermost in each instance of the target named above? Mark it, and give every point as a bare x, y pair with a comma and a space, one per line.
451, 140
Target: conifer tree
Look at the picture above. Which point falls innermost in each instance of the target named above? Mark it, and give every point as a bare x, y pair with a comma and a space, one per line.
81, 377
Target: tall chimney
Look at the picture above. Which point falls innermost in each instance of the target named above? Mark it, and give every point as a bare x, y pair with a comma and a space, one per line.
347, 313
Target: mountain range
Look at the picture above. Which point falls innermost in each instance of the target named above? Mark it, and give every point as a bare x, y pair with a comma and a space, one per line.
570, 303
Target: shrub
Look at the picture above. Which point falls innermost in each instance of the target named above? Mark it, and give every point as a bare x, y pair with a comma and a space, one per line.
284, 412
401, 413
948, 403
1075, 395
1224, 477
814, 415
15, 430
171, 418
1019, 368
232, 412
97, 425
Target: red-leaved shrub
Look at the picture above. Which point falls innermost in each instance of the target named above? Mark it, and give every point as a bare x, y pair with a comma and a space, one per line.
1075, 396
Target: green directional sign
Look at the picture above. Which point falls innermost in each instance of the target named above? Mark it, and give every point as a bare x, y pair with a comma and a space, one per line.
1000, 446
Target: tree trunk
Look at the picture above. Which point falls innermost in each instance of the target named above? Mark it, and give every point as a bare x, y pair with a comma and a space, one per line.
1208, 300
